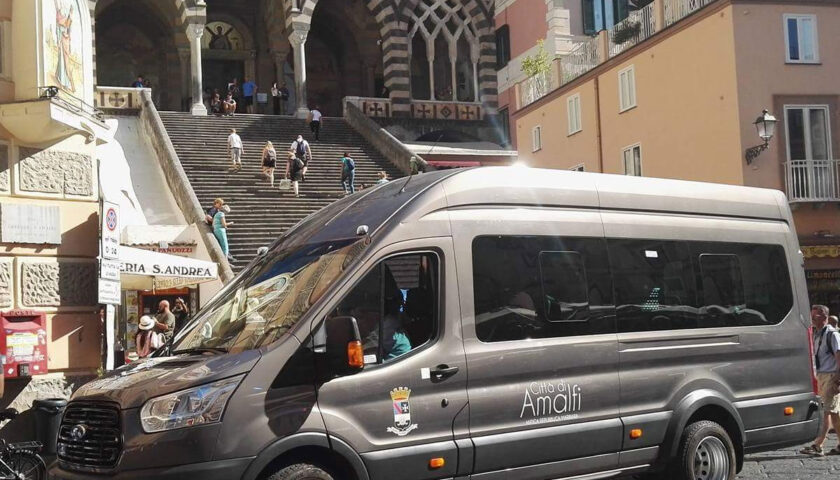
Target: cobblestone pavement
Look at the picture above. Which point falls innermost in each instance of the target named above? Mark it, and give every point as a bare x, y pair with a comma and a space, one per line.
789, 464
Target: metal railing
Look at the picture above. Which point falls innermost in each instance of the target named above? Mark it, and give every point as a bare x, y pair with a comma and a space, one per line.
534, 88
583, 58
636, 28
812, 180
676, 10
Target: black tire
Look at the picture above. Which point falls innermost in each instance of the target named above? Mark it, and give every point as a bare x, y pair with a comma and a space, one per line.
301, 471
706, 453
29, 466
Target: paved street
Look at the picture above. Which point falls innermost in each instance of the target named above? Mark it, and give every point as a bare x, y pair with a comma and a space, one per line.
788, 464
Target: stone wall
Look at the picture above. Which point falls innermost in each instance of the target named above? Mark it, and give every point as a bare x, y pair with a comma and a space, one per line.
56, 173
384, 142
410, 129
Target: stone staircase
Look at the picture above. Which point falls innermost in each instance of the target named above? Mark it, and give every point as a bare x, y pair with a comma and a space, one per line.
260, 213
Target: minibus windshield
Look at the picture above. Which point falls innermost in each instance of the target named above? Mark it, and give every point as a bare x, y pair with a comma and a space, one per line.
269, 298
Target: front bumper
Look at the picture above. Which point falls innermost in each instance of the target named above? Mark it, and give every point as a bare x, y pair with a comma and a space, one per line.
218, 470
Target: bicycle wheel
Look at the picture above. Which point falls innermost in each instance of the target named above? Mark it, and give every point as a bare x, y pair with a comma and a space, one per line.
28, 466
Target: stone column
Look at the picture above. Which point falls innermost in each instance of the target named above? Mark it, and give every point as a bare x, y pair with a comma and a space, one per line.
559, 38
298, 41
186, 78
194, 32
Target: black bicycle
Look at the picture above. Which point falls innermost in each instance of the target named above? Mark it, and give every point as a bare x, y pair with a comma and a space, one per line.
20, 461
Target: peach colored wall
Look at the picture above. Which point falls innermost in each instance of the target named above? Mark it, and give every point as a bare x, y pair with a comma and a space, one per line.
686, 119
561, 150
527, 24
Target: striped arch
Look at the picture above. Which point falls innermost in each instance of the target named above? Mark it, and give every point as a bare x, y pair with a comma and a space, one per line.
394, 34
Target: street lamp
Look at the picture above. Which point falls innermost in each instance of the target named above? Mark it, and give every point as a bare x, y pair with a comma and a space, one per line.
766, 127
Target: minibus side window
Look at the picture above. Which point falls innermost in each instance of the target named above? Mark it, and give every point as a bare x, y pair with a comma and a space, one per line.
654, 285
395, 306
742, 284
529, 287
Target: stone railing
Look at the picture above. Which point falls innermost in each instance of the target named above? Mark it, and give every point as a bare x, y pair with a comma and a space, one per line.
422, 109
394, 150
178, 182
639, 26
119, 99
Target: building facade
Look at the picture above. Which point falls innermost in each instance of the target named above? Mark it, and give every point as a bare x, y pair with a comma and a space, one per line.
679, 99
436, 58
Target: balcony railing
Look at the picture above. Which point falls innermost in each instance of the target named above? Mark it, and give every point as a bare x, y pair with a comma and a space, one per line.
676, 10
588, 54
636, 28
812, 180
585, 56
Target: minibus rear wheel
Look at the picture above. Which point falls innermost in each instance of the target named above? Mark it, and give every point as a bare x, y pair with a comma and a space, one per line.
706, 453
301, 471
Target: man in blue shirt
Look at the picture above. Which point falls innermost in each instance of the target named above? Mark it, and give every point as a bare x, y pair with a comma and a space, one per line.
249, 89
826, 342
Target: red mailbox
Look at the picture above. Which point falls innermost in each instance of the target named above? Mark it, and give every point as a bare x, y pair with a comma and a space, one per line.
23, 340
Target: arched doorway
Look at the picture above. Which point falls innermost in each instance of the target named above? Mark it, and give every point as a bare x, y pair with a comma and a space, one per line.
133, 38
343, 56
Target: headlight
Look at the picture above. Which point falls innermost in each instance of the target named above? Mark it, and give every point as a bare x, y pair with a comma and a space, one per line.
194, 406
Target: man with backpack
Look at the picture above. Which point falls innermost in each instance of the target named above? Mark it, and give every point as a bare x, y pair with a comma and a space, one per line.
302, 152
826, 344
348, 173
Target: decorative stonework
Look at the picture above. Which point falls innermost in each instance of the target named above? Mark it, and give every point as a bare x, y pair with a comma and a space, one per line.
6, 290
4, 168
56, 172
65, 284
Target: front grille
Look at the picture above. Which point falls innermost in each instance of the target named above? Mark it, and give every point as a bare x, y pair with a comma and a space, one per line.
100, 445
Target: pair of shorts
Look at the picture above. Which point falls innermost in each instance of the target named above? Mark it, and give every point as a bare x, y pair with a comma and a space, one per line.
269, 163
827, 388
249, 101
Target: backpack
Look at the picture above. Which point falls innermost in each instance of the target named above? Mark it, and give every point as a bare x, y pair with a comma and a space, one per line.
351, 164
299, 163
828, 331
300, 149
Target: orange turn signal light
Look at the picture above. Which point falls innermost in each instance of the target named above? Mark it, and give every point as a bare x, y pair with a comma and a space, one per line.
636, 433
355, 354
436, 463
788, 411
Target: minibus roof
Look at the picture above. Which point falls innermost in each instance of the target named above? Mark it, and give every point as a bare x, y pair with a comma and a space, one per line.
564, 188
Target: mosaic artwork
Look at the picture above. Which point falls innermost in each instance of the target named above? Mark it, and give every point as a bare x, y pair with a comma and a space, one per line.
64, 45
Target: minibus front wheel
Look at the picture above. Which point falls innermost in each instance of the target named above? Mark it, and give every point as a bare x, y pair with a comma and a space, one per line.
706, 453
301, 471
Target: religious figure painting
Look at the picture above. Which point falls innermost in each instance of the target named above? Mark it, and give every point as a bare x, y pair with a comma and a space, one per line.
221, 36
63, 62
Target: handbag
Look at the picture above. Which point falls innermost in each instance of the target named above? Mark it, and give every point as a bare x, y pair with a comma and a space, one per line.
156, 340
285, 184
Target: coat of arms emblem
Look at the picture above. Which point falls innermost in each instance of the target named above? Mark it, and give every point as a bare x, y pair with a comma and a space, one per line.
402, 412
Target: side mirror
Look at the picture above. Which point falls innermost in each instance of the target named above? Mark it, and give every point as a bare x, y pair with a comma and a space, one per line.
344, 351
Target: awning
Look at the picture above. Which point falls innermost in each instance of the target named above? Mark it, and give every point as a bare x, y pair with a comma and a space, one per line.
146, 270
453, 163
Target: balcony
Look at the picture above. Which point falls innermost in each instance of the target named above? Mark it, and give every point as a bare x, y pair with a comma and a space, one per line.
812, 181
588, 54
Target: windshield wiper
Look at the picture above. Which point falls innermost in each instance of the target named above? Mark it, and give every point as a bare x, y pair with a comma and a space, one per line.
190, 351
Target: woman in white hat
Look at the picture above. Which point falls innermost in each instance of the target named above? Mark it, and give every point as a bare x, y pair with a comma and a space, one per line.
143, 338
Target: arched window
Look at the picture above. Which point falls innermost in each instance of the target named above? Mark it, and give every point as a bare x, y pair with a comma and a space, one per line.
444, 52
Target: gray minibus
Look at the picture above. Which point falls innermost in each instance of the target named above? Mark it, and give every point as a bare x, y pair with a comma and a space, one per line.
487, 323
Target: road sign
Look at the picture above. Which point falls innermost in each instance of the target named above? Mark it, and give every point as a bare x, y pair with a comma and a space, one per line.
110, 230
109, 292
109, 269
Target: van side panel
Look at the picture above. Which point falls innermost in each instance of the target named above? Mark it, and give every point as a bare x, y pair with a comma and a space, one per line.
758, 369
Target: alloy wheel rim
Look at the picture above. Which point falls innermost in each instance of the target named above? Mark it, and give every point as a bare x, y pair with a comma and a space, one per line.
711, 460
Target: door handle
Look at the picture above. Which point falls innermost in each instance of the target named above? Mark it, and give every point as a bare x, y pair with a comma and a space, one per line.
443, 371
